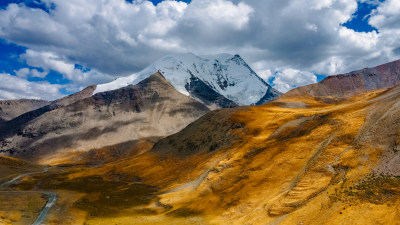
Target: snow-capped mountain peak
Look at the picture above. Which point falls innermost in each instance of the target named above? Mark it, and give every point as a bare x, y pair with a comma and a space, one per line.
227, 75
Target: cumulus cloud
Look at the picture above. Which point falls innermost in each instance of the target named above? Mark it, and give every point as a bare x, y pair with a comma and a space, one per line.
22, 72
27, 72
49, 61
284, 79
217, 13
290, 78
23, 89
289, 40
387, 15
114, 37
387, 20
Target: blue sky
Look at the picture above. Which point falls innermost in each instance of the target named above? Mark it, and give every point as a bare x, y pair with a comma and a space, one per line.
286, 57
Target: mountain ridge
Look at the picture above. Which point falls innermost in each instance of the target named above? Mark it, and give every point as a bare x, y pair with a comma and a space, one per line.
344, 85
227, 75
9, 109
150, 108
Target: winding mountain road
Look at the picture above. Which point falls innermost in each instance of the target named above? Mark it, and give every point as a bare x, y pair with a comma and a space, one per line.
52, 196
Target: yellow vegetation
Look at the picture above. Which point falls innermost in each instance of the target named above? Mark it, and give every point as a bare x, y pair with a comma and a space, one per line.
291, 161
20, 208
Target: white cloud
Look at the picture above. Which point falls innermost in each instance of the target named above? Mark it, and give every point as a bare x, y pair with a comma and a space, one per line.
36, 73
98, 34
283, 79
218, 12
387, 15
330, 66
22, 72
29, 27
359, 40
289, 78
320, 4
387, 19
26, 72
49, 61
123, 36
371, 2
312, 27
22, 88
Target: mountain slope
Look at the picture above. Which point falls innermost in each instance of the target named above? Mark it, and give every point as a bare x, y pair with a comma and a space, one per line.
294, 160
12, 167
224, 75
276, 164
152, 108
344, 85
9, 109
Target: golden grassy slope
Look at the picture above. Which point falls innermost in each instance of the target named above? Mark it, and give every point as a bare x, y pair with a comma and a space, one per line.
12, 167
20, 208
292, 161
287, 158
15, 207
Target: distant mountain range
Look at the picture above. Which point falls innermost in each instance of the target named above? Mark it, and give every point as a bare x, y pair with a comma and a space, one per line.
81, 122
136, 107
360, 81
158, 101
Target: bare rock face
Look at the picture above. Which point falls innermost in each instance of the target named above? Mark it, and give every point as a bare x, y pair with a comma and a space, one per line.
383, 76
152, 108
206, 95
9, 109
67, 100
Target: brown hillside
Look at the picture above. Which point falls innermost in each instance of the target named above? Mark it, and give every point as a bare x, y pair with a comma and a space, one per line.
292, 161
345, 85
307, 165
9, 109
81, 122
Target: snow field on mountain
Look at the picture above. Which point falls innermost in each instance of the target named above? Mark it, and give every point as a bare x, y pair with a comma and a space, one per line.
226, 74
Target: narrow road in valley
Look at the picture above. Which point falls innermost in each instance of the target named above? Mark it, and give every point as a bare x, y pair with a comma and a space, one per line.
46, 208
52, 196
15, 179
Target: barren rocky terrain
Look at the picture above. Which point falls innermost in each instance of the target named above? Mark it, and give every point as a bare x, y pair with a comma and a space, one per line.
82, 122
9, 109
